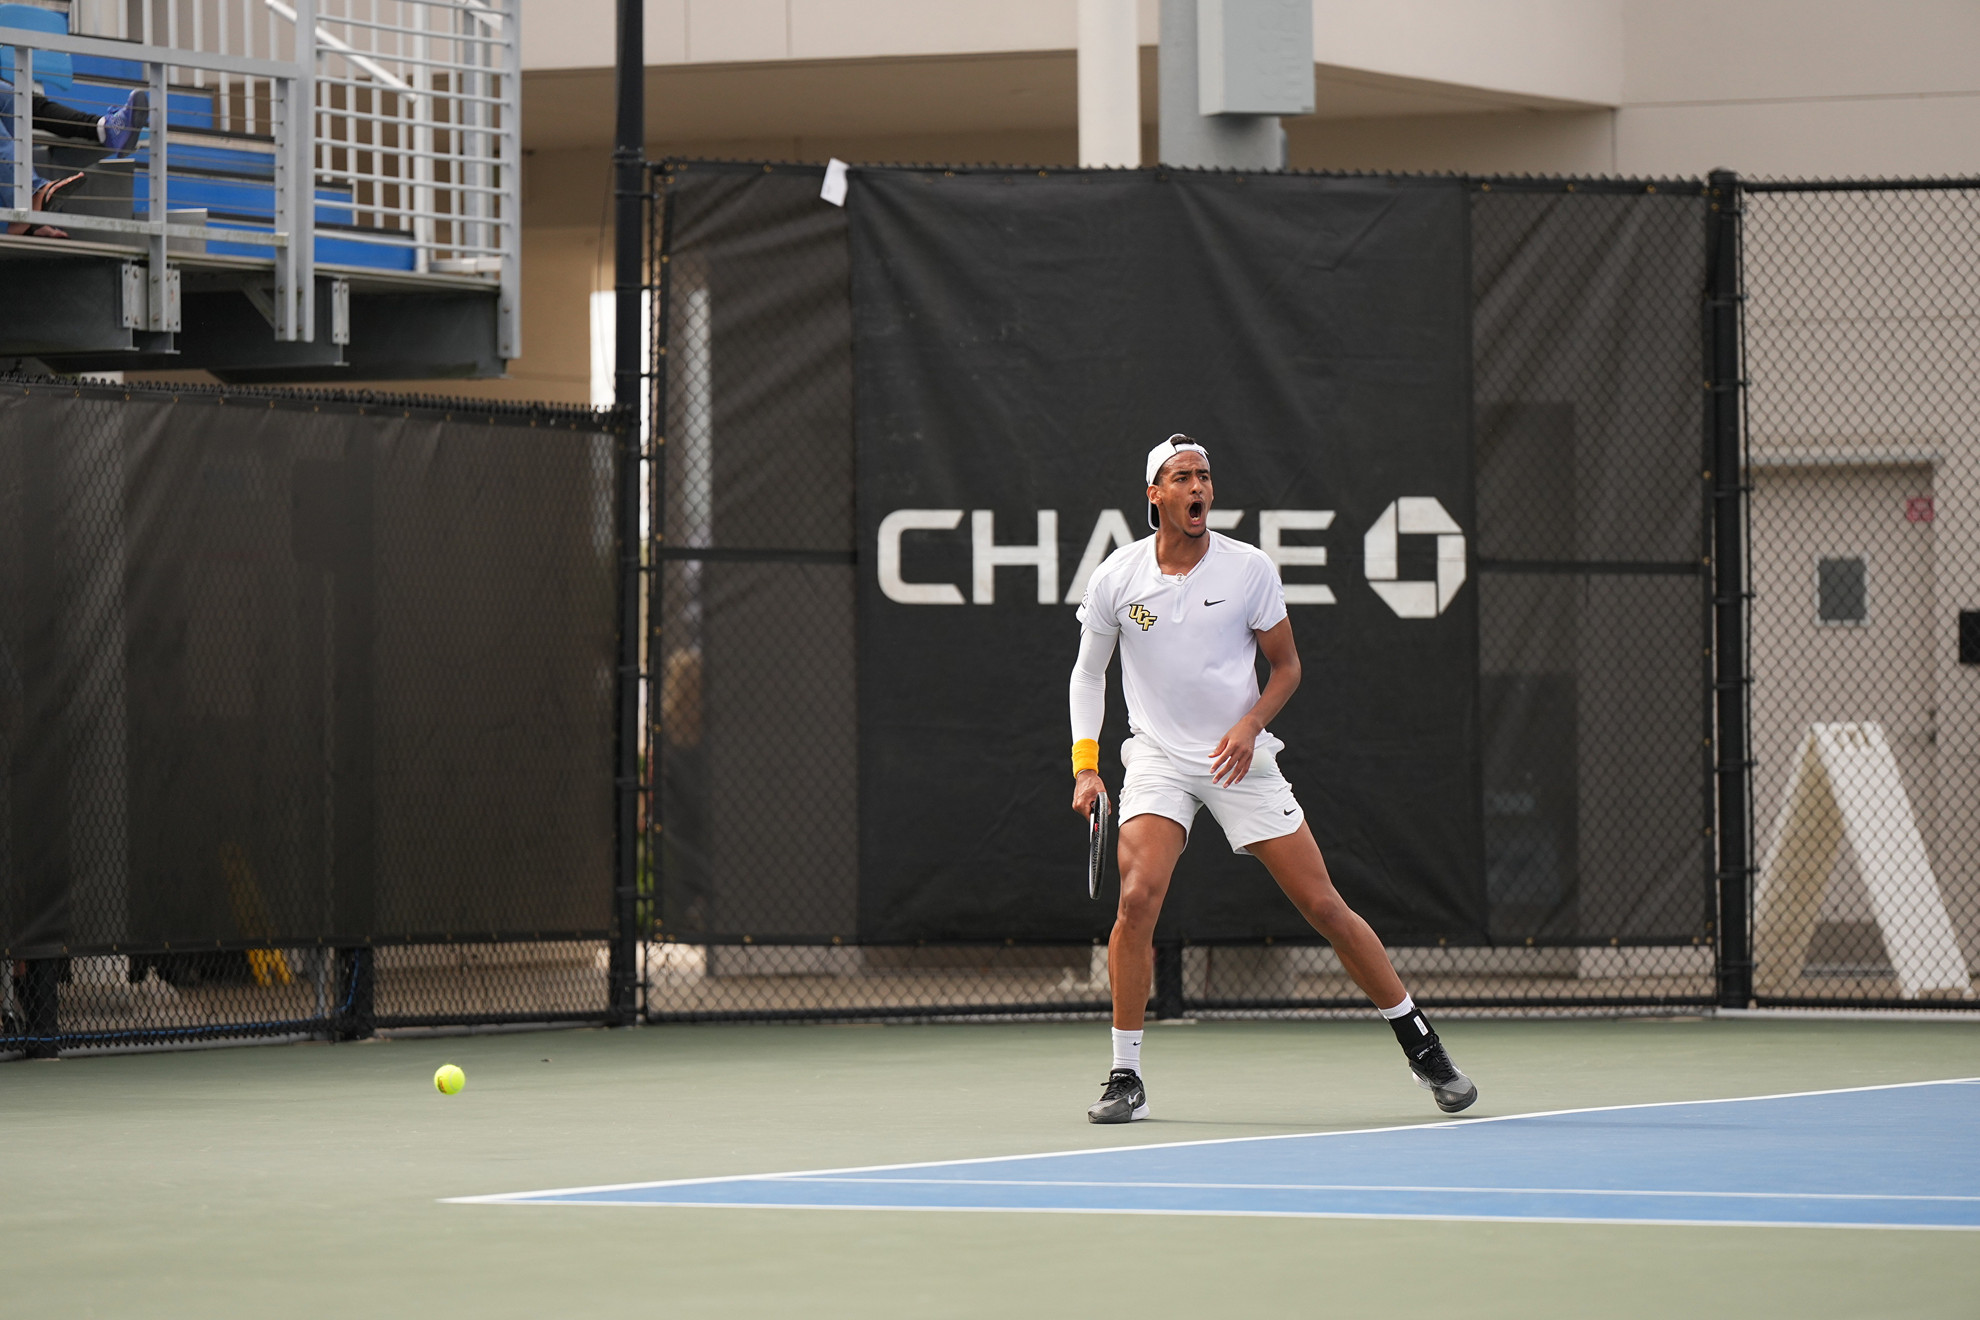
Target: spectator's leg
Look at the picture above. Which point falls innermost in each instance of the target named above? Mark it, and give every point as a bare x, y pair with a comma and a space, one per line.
45, 193
44, 190
65, 120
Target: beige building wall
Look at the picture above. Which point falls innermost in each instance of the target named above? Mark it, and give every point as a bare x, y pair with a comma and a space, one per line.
1809, 88
1823, 88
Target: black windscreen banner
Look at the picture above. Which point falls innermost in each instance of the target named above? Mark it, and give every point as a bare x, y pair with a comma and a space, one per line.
279, 673
1019, 344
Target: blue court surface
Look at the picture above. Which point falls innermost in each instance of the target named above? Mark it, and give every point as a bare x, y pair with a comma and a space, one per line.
1904, 1156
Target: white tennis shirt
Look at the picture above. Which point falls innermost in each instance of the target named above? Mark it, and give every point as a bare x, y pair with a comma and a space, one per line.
1188, 650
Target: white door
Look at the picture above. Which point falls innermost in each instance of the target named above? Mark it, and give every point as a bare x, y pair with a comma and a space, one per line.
1842, 632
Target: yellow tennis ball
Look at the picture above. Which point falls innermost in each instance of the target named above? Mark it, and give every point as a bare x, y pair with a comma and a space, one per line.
449, 1079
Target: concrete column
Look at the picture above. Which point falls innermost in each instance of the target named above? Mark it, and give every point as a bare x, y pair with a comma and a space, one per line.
1188, 136
1109, 84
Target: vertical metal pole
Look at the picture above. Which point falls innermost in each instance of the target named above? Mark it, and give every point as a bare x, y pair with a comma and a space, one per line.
302, 175
659, 240
509, 345
1732, 684
628, 281
223, 103
22, 129
282, 113
425, 230
158, 311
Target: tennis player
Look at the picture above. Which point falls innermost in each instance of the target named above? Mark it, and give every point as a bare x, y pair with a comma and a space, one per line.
1190, 609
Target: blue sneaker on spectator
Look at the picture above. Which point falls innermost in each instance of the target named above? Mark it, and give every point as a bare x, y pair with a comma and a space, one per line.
122, 125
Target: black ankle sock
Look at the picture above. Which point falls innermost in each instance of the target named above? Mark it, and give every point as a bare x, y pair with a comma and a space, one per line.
1414, 1033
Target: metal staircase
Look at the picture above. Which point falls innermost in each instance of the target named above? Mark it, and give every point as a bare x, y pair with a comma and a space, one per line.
373, 237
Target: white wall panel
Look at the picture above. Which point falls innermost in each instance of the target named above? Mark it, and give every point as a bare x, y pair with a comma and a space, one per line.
1568, 50
863, 29
737, 31
1751, 50
1889, 137
579, 34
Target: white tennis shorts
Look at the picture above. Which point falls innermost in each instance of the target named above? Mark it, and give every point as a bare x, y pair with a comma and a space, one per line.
1261, 806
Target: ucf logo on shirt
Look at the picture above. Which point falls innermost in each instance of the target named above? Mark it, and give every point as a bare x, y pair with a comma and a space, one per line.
1189, 680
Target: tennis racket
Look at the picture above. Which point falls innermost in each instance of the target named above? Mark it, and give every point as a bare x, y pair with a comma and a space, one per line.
1096, 852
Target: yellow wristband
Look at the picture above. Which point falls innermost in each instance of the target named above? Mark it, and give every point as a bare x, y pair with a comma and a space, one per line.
1086, 756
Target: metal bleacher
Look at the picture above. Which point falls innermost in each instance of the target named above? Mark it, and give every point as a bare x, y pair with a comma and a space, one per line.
374, 237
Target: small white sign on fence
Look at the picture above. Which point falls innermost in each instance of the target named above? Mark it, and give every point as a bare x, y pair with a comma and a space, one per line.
1845, 792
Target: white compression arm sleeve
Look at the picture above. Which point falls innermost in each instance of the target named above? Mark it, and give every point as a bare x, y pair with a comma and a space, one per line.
1089, 683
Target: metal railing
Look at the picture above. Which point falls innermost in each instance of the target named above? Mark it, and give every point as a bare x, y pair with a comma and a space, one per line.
289, 236
411, 150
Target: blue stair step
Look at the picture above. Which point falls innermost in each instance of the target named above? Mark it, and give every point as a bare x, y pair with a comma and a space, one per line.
330, 250
189, 109
191, 158
236, 197
96, 66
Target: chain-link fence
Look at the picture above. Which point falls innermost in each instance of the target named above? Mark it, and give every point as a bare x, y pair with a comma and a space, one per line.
1591, 563
307, 706
1862, 328
309, 700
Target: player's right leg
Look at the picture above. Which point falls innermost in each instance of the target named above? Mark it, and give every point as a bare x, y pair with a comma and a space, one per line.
1149, 848
1295, 862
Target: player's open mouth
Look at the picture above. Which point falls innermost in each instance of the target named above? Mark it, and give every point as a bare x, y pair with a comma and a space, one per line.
1196, 511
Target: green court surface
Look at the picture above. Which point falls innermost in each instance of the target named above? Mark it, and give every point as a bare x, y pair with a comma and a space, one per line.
308, 1180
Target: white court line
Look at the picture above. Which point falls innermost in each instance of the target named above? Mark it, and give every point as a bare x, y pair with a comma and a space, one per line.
1361, 1187
1851, 1014
536, 1198
1241, 1214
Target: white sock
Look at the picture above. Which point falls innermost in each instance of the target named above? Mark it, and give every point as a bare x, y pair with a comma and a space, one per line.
1404, 1009
1127, 1050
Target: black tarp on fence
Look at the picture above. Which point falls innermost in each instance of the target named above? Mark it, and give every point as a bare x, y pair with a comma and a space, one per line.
1017, 349
284, 674
1528, 766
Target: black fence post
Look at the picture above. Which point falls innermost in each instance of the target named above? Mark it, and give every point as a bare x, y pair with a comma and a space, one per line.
1168, 981
39, 992
1732, 684
659, 218
629, 369
357, 979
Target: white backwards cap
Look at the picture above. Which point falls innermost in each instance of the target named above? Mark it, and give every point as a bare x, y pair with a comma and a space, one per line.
1162, 453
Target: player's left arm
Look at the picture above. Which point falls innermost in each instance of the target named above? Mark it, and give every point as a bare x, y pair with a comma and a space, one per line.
1231, 761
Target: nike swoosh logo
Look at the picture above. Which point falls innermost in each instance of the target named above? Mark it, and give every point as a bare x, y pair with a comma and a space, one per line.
1219, 601
1288, 813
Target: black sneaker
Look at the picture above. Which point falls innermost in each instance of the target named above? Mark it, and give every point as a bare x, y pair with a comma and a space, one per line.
1435, 1073
1124, 1100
